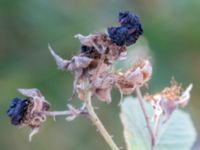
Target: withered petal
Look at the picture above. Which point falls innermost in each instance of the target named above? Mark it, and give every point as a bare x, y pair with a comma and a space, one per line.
85, 40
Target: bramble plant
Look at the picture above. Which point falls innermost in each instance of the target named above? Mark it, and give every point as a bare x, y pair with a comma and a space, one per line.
94, 75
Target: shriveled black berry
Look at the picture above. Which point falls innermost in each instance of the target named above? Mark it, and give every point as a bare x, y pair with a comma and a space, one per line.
132, 22
129, 31
17, 110
118, 35
127, 18
132, 37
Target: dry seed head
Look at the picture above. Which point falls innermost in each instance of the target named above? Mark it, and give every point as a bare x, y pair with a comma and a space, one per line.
103, 85
166, 101
138, 75
125, 86
171, 93
35, 115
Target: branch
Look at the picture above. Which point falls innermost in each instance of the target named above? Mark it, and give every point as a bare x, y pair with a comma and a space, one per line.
140, 98
57, 113
71, 114
96, 121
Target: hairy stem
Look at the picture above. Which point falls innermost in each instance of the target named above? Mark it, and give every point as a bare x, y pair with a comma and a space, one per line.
140, 98
96, 121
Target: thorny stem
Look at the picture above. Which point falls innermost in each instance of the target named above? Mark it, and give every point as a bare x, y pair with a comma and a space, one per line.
140, 98
96, 121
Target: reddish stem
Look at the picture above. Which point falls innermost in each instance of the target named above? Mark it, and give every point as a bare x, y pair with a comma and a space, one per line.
140, 98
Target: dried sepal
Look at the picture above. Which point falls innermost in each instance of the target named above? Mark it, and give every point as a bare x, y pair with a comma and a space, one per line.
103, 85
138, 75
61, 63
77, 65
78, 62
101, 88
166, 101
185, 97
85, 40
125, 86
36, 97
100, 44
96, 40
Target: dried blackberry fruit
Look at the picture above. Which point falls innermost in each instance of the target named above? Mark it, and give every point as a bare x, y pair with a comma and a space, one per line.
128, 18
17, 110
118, 35
131, 38
129, 31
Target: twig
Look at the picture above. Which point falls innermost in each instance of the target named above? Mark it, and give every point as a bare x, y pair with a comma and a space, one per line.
96, 121
156, 127
140, 98
57, 113
70, 112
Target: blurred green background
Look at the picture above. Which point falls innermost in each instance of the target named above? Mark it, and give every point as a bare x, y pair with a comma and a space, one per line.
171, 27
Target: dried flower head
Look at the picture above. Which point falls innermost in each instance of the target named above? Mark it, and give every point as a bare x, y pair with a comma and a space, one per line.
98, 52
103, 86
29, 112
166, 101
138, 75
98, 44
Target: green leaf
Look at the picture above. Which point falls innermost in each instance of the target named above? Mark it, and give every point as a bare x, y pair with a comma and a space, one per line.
177, 134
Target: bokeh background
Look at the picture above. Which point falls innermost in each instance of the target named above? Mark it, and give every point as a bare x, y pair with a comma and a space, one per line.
171, 27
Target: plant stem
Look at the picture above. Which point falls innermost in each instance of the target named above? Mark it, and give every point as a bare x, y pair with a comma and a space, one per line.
57, 113
96, 121
140, 98
156, 127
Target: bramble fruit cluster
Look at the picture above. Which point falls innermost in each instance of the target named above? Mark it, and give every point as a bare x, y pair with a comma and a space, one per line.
17, 110
129, 31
